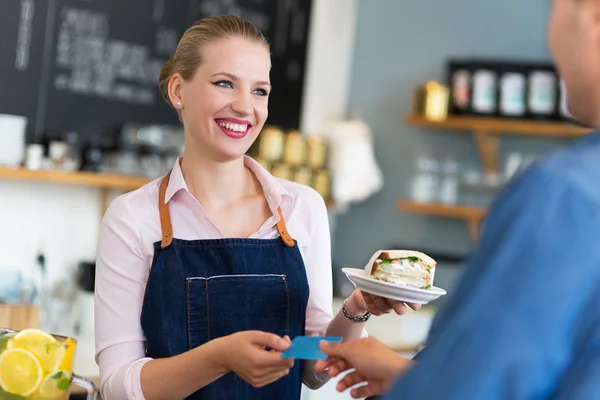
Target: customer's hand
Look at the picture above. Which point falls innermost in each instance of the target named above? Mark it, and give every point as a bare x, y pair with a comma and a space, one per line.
361, 302
256, 356
374, 364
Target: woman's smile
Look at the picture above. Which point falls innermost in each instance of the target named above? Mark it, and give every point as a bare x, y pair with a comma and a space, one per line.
233, 127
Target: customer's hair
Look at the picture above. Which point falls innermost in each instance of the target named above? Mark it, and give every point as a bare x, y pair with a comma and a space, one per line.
188, 55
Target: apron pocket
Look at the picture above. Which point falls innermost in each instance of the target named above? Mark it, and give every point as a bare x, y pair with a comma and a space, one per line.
221, 305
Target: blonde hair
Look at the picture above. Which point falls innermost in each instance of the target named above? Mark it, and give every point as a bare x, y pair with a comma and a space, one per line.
188, 55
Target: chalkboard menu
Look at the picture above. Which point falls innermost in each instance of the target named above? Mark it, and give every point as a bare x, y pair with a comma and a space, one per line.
90, 66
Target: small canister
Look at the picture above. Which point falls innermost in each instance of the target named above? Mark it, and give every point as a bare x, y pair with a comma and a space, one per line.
303, 175
271, 144
484, 96
35, 157
432, 101
317, 152
282, 171
322, 182
295, 148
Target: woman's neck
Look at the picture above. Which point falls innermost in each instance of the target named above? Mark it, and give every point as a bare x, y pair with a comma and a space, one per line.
217, 184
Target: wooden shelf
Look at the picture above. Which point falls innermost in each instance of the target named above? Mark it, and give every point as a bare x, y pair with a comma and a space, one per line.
92, 179
442, 210
502, 126
487, 132
106, 182
472, 215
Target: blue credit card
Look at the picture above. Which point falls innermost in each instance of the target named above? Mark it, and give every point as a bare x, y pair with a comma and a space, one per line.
307, 348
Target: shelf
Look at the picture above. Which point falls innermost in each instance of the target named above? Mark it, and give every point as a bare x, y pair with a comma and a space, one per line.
472, 215
502, 126
487, 132
92, 179
103, 181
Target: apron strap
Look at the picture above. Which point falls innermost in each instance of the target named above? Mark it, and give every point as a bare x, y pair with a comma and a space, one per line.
165, 215
281, 228
167, 228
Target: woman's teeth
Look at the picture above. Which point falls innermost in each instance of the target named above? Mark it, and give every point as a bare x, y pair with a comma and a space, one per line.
233, 127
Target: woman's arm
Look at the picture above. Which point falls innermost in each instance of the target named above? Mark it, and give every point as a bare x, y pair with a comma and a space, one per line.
319, 314
121, 274
168, 378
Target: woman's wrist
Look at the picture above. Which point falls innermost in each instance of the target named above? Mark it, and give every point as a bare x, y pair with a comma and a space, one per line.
353, 306
216, 353
354, 310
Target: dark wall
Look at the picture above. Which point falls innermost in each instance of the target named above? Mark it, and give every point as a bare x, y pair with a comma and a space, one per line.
91, 65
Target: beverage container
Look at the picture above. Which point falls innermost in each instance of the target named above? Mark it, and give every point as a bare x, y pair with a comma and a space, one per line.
37, 365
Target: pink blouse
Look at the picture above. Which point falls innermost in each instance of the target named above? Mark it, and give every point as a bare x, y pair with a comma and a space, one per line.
125, 250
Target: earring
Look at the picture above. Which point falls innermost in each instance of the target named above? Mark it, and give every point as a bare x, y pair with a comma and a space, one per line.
178, 104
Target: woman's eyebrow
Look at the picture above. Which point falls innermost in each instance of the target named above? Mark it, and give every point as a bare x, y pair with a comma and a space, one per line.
235, 78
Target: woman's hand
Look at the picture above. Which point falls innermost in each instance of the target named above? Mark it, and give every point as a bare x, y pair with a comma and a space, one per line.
373, 362
361, 302
246, 354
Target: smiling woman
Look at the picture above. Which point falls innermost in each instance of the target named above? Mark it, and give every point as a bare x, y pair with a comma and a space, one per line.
204, 275
220, 71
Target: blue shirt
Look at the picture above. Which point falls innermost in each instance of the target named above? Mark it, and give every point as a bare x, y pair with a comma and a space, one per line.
524, 319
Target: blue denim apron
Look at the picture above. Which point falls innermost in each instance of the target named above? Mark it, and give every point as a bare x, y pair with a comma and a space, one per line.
199, 290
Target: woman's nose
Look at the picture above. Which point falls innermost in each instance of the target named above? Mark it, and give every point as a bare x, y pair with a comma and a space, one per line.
242, 104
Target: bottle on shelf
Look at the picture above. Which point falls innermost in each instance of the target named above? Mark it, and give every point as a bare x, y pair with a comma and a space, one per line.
424, 187
448, 193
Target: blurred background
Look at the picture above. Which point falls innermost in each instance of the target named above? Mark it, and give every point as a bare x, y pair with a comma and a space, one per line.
407, 116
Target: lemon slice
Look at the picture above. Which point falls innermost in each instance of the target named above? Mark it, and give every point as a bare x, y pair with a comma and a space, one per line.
49, 351
67, 361
20, 372
55, 384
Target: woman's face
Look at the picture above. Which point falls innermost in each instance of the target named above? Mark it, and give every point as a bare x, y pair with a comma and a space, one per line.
224, 106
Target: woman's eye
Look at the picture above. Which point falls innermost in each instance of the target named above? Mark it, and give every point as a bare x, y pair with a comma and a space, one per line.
225, 84
261, 92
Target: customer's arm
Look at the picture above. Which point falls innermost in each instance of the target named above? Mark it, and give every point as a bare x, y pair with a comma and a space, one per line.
365, 361
528, 291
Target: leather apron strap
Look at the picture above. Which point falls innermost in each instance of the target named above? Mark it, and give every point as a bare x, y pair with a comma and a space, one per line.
165, 215
282, 229
167, 228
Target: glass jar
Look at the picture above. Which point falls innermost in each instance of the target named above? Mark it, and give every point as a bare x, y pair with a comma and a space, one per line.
316, 152
424, 188
485, 82
303, 175
270, 147
282, 171
294, 149
322, 183
542, 101
513, 86
449, 182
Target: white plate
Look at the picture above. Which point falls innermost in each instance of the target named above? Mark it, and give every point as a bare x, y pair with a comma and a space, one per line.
390, 290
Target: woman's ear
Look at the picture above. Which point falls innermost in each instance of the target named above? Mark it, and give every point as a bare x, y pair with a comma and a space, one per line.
175, 91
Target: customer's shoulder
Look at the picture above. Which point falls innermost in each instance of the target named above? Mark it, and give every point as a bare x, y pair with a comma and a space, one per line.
575, 168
